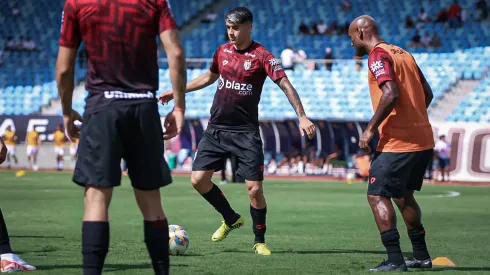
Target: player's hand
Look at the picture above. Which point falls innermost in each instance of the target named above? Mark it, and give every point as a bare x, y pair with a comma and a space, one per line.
364, 140
166, 96
174, 122
71, 130
307, 127
3, 151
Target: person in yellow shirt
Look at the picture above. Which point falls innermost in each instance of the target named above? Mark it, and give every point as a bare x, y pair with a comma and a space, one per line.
74, 149
10, 138
59, 146
33, 141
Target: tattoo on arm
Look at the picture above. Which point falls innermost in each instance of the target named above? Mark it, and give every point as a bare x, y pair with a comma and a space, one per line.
292, 96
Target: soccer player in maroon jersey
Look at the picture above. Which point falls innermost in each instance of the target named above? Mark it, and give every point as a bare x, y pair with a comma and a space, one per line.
121, 119
9, 262
241, 66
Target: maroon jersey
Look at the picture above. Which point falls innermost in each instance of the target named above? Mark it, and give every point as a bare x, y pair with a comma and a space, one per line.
120, 43
242, 74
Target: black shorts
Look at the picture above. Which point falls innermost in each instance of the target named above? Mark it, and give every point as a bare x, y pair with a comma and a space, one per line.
393, 173
130, 132
217, 145
442, 162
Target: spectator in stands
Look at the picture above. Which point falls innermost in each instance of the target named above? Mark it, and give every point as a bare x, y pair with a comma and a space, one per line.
328, 58
287, 58
303, 29
409, 24
443, 151
321, 28
210, 17
454, 15
301, 58
10, 45
346, 6
442, 16
314, 28
15, 12
29, 44
423, 17
333, 27
435, 41
344, 29
20, 43
415, 40
482, 8
426, 39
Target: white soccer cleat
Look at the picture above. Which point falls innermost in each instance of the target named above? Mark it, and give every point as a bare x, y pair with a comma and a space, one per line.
13, 263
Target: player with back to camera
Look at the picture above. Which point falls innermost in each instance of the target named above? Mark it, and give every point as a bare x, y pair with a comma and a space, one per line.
121, 118
242, 65
400, 96
10, 139
33, 141
9, 262
59, 146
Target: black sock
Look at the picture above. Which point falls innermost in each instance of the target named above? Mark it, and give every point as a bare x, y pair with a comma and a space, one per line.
259, 225
4, 236
391, 241
417, 237
95, 245
156, 239
217, 199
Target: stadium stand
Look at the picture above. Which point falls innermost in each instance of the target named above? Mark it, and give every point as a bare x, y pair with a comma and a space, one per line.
276, 26
476, 107
26, 78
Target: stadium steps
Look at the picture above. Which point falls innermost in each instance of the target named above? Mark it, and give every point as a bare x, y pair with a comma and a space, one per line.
452, 99
194, 22
54, 107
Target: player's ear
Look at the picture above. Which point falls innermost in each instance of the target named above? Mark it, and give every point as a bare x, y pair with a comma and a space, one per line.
360, 33
250, 27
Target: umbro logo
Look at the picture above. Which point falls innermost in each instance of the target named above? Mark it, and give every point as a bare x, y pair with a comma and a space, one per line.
227, 51
225, 62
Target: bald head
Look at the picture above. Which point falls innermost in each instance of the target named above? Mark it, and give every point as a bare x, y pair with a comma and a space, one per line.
364, 34
366, 24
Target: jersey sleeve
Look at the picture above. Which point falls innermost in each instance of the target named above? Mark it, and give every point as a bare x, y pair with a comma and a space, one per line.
70, 30
272, 67
166, 20
215, 65
381, 65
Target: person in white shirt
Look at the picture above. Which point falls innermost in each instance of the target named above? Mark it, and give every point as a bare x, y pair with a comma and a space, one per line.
443, 151
287, 58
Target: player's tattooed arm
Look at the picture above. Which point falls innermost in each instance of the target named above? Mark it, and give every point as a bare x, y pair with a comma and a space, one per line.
292, 96
387, 102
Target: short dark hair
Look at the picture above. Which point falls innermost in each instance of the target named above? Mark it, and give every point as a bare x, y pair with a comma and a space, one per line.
239, 15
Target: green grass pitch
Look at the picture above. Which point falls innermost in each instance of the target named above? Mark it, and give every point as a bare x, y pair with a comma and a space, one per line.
313, 228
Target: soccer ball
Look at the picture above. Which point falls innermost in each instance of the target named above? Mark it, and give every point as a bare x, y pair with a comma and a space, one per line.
178, 242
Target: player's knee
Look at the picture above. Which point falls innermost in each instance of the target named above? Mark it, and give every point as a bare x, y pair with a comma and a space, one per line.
198, 179
373, 199
255, 189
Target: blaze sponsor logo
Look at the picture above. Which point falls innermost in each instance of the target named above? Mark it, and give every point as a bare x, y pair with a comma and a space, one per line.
242, 88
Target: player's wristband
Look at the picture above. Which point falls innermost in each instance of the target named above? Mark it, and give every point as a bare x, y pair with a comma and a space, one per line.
178, 110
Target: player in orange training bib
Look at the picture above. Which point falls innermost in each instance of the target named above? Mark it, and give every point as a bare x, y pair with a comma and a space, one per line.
400, 96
